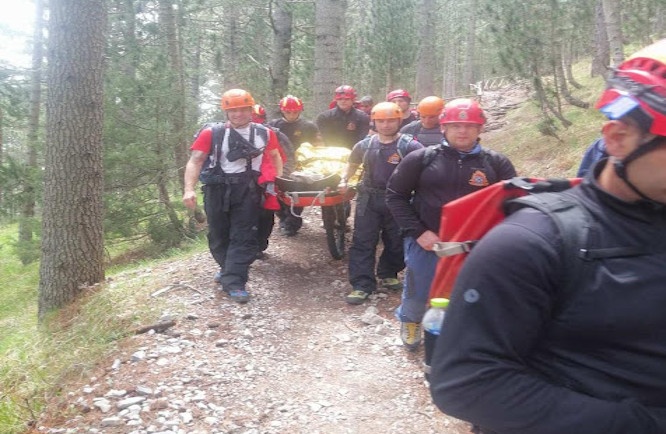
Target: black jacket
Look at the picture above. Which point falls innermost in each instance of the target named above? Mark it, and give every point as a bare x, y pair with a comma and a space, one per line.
416, 191
517, 355
338, 128
299, 131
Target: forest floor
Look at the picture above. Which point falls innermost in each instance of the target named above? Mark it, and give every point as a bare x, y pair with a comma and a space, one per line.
295, 359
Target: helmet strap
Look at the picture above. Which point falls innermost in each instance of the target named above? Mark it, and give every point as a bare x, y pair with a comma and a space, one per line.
620, 167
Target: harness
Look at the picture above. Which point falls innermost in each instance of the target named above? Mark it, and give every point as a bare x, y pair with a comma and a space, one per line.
214, 174
371, 147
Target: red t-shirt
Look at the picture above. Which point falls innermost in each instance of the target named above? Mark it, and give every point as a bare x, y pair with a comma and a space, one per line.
204, 142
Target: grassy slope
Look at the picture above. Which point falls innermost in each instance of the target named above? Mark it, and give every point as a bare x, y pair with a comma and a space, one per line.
35, 360
18, 291
534, 154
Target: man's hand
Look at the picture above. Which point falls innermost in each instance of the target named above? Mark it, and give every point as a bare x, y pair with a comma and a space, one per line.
342, 186
190, 199
427, 240
192, 171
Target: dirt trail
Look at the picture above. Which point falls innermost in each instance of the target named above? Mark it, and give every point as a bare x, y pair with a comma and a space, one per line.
296, 359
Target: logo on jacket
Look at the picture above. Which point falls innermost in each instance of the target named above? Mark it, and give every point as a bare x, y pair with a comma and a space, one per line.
478, 179
393, 159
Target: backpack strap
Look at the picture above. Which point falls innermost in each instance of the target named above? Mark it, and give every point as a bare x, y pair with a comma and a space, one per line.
403, 144
429, 155
218, 131
576, 226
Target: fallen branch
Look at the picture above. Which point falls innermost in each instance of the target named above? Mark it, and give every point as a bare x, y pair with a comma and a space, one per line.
172, 287
160, 327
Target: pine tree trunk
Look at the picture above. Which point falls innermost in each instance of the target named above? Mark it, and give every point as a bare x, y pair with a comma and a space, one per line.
562, 86
27, 220
614, 29
281, 20
180, 143
568, 69
72, 228
329, 44
600, 45
425, 59
231, 50
470, 46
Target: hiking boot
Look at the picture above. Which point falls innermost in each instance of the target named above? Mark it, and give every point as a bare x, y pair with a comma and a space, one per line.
391, 283
218, 276
238, 295
357, 296
410, 333
288, 232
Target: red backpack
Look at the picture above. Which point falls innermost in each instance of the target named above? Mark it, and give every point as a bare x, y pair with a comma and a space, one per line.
465, 220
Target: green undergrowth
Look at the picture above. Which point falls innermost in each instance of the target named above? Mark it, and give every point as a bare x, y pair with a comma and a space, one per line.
37, 360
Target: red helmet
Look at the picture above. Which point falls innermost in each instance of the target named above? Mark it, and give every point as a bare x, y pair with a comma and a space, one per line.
345, 92
398, 93
258, 114
639, 82
463, 110
291, 104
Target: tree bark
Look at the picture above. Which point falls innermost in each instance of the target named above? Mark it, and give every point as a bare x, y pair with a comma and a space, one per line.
329, 44
562, 87
230, 58
281, 21
180, 143
612, 10
568, 69
470, 46
601, 48
27, 222
72, 227
425, 56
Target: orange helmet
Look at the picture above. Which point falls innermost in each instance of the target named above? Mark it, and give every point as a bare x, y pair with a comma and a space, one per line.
462, 110
398, 93
430, 106
345, 92
291, 104
258, 114
236, 98
386, 110
638, 87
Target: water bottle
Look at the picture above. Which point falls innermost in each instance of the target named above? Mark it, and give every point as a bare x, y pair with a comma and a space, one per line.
432, 324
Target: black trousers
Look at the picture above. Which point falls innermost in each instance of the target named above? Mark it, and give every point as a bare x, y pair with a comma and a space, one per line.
373, 221
233, 211
289, 221
265, 228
